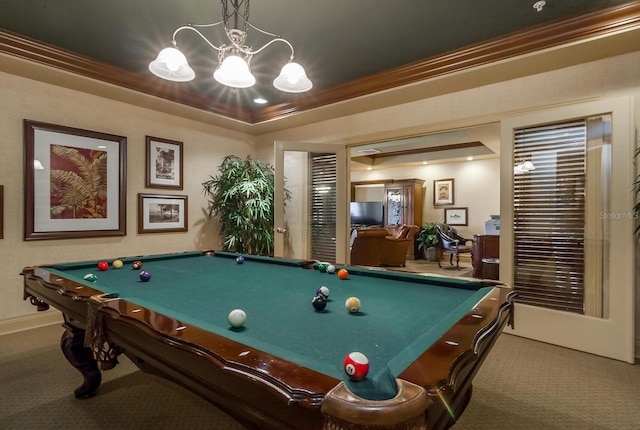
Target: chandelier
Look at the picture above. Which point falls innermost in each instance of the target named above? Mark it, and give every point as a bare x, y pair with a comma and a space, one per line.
234, 56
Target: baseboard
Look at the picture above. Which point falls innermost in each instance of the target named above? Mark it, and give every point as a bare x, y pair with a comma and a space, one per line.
28, 322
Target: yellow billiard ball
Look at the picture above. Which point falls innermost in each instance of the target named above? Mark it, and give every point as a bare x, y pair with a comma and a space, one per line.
117, 264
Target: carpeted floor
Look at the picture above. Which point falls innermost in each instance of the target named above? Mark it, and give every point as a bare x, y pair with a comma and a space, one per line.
523, 385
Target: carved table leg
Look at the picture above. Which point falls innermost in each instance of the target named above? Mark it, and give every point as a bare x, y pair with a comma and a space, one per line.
80, 357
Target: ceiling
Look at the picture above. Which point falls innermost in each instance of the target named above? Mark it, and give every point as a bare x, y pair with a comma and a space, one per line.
338, 42
348, 48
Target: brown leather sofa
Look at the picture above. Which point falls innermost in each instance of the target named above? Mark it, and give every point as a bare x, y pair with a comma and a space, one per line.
366, 246
398, 245
376, 246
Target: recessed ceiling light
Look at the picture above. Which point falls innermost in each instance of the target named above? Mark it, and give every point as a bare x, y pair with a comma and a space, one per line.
469, 158
260, 100
369, 168
425, 163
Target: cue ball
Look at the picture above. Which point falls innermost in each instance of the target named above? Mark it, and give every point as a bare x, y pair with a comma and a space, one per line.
136, 264
117, 264
343, 274
352, 304
237, 317
90, 277
356, 366
240, 260
331, 268
324, 291
319, 302
145, 276
103, 265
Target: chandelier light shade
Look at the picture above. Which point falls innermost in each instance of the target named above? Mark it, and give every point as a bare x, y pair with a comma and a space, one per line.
234, 56
292, 79
234, 72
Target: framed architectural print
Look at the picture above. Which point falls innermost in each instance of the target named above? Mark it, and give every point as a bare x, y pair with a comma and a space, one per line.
162, 213
164, 163
75, 182
443, 192
456, 216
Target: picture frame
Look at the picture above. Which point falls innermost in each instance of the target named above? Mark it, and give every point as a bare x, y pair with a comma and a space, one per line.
75, 182
1, 211
456, 216
159, 213
164, 163
443, 192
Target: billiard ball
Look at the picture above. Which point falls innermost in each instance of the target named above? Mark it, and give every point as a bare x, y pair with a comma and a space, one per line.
145, 276
137, 264
352, 304
319, 302
237, 318
90, 277
331, 268
103, 265
323, 291
343, 274
240, 259
356, 366
117, 264
322, 267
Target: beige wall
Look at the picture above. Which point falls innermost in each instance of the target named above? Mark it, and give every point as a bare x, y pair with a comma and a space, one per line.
204, 147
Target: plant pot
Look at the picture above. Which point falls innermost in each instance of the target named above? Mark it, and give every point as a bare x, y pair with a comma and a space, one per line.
431, 254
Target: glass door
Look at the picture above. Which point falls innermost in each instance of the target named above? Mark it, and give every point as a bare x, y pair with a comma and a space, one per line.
566, 233
311, 201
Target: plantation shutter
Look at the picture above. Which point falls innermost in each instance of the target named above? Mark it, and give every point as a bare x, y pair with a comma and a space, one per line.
549, 216
323, 206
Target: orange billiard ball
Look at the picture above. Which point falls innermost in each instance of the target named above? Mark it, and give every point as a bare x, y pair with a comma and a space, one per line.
343, 274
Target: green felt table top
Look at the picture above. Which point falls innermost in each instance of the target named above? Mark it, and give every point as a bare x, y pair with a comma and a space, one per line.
401, 315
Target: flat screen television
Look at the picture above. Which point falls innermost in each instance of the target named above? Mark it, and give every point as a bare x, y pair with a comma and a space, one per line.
366, 214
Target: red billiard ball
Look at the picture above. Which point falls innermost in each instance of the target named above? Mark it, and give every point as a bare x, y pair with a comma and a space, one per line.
103, 265
356, 366
343, 274
136, 265
145, 276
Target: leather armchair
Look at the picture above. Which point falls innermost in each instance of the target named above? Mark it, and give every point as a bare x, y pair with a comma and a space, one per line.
398, 244
366, 246
450, 242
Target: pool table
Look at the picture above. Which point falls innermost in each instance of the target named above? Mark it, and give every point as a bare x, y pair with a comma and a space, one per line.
425, 336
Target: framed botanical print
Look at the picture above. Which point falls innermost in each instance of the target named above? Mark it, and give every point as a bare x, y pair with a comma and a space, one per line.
443, 192
162, 213
163, 163
75, 182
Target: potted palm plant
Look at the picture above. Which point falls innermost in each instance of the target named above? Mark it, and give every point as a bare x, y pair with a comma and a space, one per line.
241, 199
427, 240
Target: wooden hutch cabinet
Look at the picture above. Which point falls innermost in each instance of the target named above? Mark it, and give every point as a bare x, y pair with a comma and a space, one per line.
484, 246
403, 202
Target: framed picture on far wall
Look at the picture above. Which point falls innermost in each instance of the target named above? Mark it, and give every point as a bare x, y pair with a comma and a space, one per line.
162, 213
456, 216
75, 182
443, 192
163, 163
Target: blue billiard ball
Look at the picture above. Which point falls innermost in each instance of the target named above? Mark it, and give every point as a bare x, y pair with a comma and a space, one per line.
240, 259
145, 276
